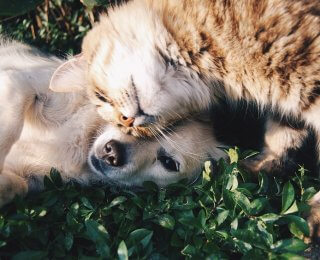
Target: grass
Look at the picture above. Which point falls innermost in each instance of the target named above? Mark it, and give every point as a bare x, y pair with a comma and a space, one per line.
224, 215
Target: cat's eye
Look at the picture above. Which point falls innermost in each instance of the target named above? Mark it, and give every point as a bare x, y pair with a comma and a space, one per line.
102, 98
168, 163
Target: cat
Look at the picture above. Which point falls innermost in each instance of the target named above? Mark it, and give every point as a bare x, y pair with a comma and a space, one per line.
153, 62
41, 129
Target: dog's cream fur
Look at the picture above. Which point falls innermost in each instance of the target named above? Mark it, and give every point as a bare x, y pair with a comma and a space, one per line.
41, 129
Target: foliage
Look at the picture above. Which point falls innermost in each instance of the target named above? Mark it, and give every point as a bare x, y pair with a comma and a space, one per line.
224, 215
54, 26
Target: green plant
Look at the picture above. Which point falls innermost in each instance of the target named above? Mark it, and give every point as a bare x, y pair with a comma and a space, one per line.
224, 215
54, 26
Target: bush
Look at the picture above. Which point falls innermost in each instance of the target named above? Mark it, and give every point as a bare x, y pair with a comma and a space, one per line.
54, 26
224, 215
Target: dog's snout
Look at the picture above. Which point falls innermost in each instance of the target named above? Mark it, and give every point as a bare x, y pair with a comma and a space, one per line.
113, 153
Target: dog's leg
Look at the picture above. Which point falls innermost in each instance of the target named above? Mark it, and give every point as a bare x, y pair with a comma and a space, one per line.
278, 140
10, 186
15, 96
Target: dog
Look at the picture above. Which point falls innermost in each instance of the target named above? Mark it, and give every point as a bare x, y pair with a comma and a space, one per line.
42, 129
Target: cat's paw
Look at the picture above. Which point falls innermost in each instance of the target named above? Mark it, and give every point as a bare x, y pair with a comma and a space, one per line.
261, 162
314, 219
10, 186
270, 163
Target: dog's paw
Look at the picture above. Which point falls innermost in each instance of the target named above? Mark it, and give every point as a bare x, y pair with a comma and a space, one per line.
10, 186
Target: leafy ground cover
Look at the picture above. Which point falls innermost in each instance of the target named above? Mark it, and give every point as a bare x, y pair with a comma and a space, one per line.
225, 215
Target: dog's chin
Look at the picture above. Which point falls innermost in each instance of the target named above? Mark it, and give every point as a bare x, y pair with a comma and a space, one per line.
95, 165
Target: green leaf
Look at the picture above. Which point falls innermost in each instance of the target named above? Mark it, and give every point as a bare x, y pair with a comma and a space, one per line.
176, 241
68, 241
117, 201
206, 172
90, 4
298, 226
263, 183
292, 245
56, 177
34, 255
86, 203
247, 154
290, 256
232, 182
233, 155
73, 223
95, 231
255, 234
142, 236
257, 205
228, 199
222, 216
166, 221
201, 219
292, 209
241, 200
189, 251
287, 196
99, 235
256, 254
234, 224
122, 251
269, 217
308, 193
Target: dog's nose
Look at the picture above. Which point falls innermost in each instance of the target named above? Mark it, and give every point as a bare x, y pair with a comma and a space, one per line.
126, 121
113, 153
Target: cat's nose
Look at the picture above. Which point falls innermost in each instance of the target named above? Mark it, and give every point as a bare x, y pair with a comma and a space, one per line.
113, 154
126, 121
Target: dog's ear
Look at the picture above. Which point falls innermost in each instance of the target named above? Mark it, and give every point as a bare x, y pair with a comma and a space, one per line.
70, 76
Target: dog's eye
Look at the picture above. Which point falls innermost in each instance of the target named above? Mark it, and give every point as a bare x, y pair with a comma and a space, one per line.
168, 163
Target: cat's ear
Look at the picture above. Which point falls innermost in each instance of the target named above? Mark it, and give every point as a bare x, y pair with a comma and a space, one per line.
70, 76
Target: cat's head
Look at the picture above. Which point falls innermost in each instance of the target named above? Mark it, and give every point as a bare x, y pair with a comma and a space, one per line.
135, 74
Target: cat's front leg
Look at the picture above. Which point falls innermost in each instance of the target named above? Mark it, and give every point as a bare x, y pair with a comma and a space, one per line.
279, 138
314, 218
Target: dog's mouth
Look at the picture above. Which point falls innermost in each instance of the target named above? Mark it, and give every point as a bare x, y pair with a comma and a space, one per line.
101, 168
96, 164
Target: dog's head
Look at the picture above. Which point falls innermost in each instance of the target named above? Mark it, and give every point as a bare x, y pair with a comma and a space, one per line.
128, 161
